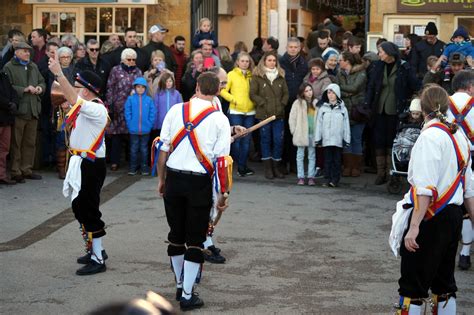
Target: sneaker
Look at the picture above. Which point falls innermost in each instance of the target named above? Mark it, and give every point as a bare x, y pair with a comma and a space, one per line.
145, 173
325, 185
311, 182
464, 262
319, 173
193, 303
132, 173
300, 182
331, 184
245, 171
84, 260
91, 268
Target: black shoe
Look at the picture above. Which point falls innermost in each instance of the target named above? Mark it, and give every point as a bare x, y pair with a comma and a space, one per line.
87, 258
7, 181
19, 179
91, 268
179, 293
214, 249
33, 176
215, 257
464, 262
193, 303
242, 172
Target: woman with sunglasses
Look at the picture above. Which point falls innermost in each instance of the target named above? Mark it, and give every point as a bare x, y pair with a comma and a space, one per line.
119, 87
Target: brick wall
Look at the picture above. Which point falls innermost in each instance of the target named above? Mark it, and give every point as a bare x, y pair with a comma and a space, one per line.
16, 15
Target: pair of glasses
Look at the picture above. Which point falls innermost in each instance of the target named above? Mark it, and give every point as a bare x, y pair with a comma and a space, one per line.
94, 49
130, 60
64, 57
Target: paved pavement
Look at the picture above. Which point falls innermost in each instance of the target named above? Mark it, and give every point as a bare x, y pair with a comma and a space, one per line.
289, 249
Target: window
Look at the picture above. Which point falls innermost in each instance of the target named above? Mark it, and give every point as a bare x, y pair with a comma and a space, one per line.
396, 28
468, 23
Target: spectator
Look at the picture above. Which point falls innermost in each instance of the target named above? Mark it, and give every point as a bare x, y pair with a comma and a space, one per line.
323, 41
242, 109
227, 61
194, 68
119, 87
312, 39
317, 76
208, 54
391, 86
330, 57
180, 57
460, 43
115, 40
438, 76
38, 41
80, 52
69, 40
14, 37
354, 45
142, 59
157, 67
204, 34
238, 48
257, 52
430, 46
106, 49
379, 42
95, 62
165, 97
157, 36
410, 41
29, 85
333, 27
8, 108
269, 92
332, 132
271, 44
140, 116
352, 80
345, 41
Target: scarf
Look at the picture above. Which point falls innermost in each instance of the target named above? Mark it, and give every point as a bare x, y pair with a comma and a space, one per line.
21, 62
294, 58
271, 74
128, 68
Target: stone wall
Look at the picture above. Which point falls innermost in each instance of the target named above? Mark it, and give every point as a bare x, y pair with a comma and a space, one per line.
14, 14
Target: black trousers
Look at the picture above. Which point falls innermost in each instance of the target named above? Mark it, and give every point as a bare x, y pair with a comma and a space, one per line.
332, 164
432, 265
188, 202
86, 205
385, 130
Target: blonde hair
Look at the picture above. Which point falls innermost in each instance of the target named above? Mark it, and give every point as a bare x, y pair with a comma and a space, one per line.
201, 22
224, 54
244, 54
157, 53
107, 46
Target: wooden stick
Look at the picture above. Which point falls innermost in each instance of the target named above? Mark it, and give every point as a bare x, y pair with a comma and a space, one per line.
255, 127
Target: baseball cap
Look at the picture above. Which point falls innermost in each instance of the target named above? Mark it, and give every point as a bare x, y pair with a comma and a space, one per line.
158, 28
457, 57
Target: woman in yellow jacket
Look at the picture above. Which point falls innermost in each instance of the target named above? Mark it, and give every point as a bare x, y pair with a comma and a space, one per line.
241, 109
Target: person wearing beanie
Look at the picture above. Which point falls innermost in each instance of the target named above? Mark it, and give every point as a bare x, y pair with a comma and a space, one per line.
429, 46
86, 120
460, 110
460, 43
330, 57
391, 85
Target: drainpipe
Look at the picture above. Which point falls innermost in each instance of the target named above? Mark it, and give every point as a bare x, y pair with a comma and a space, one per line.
367, 22
259, 18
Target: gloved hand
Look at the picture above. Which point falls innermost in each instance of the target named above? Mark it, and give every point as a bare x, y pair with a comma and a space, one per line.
12, 107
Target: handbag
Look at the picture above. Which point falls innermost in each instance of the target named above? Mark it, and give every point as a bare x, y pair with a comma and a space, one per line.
360, 113
399, 225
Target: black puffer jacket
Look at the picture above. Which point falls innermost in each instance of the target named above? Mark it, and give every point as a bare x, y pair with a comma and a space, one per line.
7, 95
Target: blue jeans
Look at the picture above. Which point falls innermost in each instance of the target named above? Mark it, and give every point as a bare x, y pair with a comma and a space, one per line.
311, 161
356, 139
139, 152
271, 140
240, 147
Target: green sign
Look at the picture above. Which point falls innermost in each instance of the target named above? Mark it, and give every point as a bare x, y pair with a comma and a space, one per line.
436, 6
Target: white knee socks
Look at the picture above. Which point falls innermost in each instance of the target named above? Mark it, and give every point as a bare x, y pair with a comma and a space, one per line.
208, 242
191, 270
414, 309
97, 248
466, 237
177, 263
450, 308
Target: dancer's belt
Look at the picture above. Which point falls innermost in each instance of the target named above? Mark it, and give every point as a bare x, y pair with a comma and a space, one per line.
170, 169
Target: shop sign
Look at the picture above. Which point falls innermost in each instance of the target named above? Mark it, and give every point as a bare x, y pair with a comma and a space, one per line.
435, 6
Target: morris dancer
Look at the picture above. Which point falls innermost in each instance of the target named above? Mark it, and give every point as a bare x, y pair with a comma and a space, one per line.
460, 111
86, 172
440, 175
195, 145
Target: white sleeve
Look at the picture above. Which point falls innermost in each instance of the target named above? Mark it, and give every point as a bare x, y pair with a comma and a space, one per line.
222, 146
425, 163
469, 185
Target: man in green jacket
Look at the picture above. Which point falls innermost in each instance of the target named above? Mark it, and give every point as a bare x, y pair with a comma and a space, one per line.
29, 85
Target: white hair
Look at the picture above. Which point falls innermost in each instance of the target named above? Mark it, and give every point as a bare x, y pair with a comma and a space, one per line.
128, 53
64, 51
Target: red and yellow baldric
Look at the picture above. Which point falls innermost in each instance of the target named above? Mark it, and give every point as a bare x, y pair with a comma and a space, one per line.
460, 117
71, 117
439, 202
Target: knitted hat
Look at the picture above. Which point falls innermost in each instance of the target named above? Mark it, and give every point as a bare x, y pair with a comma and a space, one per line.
415, 105
431, 29
328, 52
90, 81
390, 49
461, 31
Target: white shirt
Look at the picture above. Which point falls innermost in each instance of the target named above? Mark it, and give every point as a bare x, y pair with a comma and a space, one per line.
433, 162
213, 135
90, 122
460, 99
